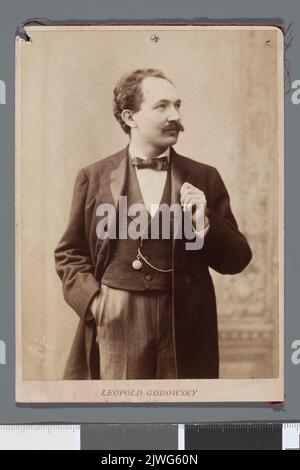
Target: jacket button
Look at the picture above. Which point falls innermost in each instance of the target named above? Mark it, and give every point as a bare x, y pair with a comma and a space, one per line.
148, 277
188, 280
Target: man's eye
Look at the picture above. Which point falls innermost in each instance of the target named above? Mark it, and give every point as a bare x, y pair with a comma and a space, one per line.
161, 106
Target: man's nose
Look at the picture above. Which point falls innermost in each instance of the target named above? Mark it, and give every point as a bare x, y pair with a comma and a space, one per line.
174, 114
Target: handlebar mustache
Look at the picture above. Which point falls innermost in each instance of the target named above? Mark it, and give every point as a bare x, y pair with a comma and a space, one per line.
174, 127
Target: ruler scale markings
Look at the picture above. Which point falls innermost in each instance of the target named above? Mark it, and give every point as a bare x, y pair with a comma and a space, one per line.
291, 436
234, 436
151, 436
135, 436
181, 437
44, 437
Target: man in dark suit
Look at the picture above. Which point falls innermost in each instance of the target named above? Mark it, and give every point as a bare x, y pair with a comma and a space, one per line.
147, 305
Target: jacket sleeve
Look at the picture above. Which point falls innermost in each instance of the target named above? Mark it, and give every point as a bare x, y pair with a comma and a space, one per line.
72, 256
227, 249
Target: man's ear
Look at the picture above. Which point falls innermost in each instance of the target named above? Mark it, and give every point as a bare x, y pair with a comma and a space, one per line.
128, 118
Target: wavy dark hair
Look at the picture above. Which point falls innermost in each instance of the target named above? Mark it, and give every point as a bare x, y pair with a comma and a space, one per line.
128, 92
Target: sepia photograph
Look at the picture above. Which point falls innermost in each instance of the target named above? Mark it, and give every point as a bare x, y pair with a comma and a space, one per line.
149, 214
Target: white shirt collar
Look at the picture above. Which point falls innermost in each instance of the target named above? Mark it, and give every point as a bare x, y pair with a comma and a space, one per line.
135, 152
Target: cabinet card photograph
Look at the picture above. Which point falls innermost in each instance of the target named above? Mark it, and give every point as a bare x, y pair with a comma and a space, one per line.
149, 214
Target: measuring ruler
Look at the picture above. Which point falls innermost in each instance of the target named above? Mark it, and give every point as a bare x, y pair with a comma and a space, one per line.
252, 436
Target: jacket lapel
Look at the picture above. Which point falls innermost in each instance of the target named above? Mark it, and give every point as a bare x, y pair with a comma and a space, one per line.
178, 176
112, 185
118, 178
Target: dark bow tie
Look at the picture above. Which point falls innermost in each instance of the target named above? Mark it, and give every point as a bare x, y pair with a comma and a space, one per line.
158, 164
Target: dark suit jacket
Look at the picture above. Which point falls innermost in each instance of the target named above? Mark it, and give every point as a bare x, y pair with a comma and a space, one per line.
81, 259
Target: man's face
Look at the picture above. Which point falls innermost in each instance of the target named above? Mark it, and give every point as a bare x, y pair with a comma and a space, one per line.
158, 120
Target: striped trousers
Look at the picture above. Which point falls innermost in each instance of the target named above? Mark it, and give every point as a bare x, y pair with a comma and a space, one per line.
135, 334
